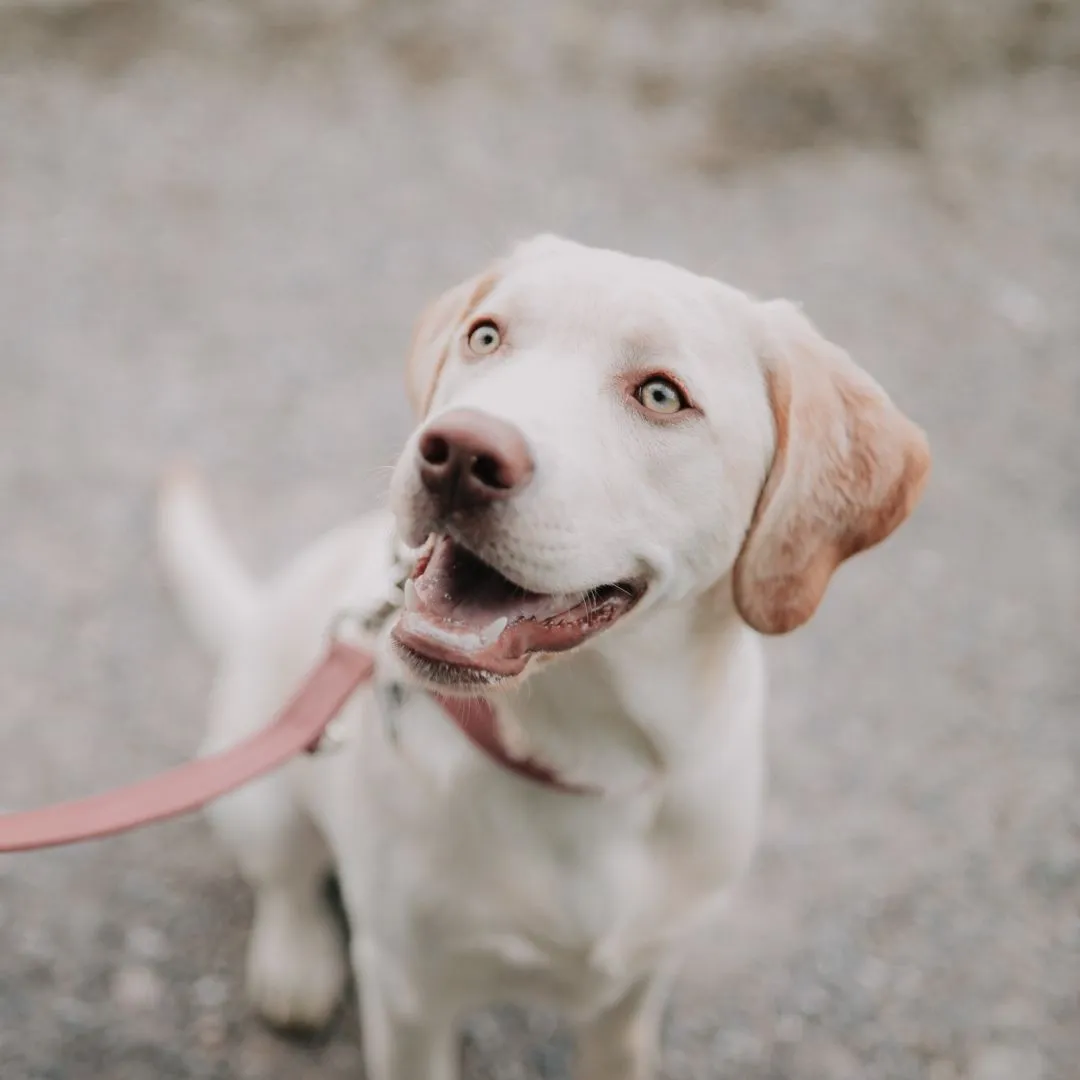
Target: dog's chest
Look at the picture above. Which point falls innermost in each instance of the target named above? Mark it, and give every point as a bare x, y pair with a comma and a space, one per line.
514, 890
523, 894
549, 917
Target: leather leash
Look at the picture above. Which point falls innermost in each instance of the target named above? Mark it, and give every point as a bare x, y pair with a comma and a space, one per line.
298, 727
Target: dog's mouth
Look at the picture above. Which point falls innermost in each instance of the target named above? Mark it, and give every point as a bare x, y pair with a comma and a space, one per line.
465, 622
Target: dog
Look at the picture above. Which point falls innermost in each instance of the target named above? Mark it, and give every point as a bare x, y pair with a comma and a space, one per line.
623, 475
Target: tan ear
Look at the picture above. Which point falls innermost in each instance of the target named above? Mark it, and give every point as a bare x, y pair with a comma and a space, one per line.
434, 333
849, 467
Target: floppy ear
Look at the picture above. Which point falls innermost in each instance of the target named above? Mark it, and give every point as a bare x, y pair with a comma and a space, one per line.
849, 467
434, 333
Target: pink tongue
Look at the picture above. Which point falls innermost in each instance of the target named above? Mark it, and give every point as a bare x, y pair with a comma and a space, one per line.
458, 591
462, 612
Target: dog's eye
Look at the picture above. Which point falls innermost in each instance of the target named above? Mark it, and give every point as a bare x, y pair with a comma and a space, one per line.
484, 338
660, 396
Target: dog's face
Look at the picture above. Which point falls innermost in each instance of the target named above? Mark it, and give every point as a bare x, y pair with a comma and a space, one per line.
602, 433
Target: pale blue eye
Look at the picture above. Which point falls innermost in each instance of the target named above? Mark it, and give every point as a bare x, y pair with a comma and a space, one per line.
484, 338
660, 396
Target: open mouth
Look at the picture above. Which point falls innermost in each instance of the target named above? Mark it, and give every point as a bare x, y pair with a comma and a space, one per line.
468, 622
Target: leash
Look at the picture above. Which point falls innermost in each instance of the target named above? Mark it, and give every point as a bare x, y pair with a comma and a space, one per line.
303, 725
297, 728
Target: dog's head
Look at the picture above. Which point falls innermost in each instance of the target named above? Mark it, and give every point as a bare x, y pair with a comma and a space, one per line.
601, 433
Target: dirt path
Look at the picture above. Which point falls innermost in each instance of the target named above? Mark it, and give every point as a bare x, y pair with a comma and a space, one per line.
214, 232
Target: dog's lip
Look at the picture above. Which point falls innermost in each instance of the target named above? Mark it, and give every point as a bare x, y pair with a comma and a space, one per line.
449, 668
462, 613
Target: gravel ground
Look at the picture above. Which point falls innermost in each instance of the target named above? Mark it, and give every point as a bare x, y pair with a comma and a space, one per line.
216, 224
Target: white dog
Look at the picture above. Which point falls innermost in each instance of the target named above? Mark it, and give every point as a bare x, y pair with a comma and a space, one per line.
623, 473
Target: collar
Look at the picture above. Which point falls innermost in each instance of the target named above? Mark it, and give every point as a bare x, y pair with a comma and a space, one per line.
476, 719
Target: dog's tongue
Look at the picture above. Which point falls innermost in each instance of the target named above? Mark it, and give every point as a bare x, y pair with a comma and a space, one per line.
460, 610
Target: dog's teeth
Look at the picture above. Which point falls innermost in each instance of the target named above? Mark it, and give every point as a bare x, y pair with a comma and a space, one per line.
490, 634
411, 601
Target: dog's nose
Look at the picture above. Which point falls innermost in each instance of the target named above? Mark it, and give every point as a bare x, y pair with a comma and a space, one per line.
469, 459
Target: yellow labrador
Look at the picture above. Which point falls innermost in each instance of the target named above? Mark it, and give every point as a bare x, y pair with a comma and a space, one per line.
623, 473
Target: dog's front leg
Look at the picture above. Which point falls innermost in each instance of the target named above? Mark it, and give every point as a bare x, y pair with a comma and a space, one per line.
407, 1035
623, 1041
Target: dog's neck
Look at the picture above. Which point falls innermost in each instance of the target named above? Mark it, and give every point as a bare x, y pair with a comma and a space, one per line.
634, 706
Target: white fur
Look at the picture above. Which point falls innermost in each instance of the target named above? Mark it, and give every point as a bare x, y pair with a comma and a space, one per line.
466, 885
216, 595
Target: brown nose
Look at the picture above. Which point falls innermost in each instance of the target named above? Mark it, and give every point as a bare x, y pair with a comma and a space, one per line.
469, 459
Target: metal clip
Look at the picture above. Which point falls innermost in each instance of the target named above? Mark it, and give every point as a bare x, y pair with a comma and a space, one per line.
391, 698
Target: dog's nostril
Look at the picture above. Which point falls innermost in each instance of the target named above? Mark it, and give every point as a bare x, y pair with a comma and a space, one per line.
435, 450
468, 459
489, 471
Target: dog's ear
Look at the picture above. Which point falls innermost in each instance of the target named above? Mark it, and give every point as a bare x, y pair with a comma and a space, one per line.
434, 333
848, 468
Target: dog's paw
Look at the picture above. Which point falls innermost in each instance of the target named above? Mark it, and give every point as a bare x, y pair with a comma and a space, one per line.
296, 968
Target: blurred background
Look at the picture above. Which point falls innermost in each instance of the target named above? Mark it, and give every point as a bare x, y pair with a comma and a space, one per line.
217, 222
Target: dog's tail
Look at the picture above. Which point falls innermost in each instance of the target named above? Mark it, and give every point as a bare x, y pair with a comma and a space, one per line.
215, 593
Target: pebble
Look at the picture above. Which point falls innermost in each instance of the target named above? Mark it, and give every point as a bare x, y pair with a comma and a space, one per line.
147, 943
210, 1030
790, 1028
136, 989
1016, 1015
873, 974
812, 1000
1007, 1063
910, 982
736, 1045
35, 945
1022, 309
836, 1062
210, 992
485, 1031
942, 1070
73, 1012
